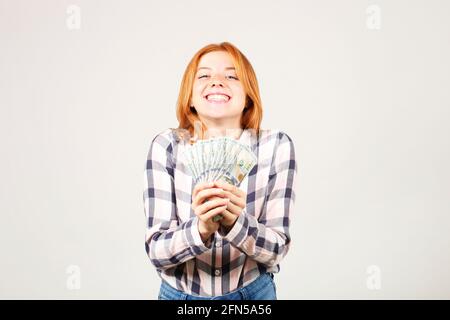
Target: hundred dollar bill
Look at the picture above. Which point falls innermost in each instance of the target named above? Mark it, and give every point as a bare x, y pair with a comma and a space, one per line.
219, 158
240, 164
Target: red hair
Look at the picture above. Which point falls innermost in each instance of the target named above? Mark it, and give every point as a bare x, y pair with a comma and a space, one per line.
252, 114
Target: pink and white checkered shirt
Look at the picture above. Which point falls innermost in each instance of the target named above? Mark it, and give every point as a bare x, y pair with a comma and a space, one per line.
257, 242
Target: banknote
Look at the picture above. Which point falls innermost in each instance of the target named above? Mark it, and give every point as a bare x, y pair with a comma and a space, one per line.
219, 158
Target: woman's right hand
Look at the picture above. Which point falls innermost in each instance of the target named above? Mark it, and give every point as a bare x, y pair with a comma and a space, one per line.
206, 208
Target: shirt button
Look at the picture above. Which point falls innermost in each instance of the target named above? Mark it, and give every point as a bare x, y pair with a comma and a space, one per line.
218, 244
217, 272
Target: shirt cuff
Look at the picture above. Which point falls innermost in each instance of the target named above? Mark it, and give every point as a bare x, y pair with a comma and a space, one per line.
240, 230
193, 238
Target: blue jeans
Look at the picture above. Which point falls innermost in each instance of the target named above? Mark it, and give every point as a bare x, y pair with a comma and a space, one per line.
262, 288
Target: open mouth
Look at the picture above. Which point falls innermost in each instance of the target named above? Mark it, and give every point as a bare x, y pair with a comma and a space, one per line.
217, 98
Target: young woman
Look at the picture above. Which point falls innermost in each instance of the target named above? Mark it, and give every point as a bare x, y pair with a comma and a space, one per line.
236, 257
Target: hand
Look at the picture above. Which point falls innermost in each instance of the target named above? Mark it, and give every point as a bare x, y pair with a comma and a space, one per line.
238, 201
206, 208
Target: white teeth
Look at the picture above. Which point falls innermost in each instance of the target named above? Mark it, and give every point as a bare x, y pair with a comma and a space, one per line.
217, 97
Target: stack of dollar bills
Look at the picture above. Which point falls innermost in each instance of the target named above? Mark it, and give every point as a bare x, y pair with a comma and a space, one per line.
220, 158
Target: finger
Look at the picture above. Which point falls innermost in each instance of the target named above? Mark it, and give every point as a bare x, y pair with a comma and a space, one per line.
207, 193
212, 213
234, 208
235, 199
215, 198
229, 187
224, 185
201, 186
205, 207
228, 216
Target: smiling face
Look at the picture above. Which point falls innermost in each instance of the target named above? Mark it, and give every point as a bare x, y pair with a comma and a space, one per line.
217, 94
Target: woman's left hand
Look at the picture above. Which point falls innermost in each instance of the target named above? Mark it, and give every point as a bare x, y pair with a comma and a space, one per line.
238, 201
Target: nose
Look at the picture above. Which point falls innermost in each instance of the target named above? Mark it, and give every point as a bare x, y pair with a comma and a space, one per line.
216, 82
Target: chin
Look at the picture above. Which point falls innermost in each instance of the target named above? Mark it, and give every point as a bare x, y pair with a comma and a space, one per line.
216, 116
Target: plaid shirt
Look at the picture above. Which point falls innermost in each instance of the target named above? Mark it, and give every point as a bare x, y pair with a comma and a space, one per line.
257, 242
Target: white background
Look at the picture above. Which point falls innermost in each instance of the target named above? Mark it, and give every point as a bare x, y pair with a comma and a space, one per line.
368, 110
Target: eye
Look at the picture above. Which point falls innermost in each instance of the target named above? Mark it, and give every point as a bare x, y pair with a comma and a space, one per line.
205, 76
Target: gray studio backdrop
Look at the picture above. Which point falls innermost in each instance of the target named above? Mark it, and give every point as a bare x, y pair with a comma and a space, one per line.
362, 87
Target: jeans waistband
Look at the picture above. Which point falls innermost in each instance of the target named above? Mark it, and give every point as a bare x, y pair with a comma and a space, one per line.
250, 289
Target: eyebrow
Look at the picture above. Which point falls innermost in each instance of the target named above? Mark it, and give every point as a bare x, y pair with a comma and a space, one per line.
227, 68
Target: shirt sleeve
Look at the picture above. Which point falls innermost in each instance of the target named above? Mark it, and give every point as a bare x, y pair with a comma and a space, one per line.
167, 241
267, 239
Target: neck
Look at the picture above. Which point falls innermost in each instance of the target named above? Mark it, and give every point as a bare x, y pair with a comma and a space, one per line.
222, 128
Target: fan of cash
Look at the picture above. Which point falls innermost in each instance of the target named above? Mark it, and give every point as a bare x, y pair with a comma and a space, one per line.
220, 158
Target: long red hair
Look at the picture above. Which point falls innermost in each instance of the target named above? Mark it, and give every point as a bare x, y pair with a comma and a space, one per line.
252, 113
